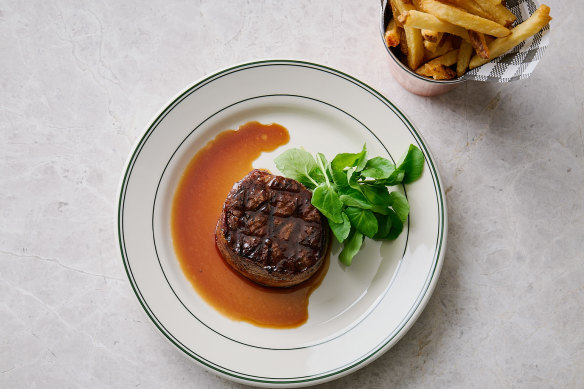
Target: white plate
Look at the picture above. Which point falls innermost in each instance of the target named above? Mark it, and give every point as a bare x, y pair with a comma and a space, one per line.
358, 312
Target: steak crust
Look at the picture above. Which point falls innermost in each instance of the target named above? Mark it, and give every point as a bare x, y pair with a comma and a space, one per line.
270, 232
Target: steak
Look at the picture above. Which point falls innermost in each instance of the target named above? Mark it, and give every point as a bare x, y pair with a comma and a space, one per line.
270, 232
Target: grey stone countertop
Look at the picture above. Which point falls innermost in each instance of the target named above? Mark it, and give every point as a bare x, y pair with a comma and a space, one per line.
80, 82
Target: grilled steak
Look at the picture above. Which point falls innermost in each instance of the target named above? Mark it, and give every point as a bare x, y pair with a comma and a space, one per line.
270, 232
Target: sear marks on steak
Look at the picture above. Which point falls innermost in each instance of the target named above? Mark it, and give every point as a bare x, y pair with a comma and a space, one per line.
270, 232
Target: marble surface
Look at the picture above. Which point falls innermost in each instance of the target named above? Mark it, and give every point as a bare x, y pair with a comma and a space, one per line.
79, 81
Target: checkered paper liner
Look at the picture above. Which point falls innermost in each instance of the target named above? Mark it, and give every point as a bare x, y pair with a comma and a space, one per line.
519, 62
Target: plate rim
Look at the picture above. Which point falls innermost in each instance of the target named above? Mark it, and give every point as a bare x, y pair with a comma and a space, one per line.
365, 359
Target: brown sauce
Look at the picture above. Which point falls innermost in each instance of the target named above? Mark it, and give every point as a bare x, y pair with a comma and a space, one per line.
195, 210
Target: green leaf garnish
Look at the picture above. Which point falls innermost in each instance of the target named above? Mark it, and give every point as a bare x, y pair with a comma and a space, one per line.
299, 165
363, 220
351, 191
352, 247
412, 164
400, 205
327, 201
341, 230
353, 198
377, 194
377, 168
344, 160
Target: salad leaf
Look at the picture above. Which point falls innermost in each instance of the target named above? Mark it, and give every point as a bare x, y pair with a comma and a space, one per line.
351, 191
412, 164
363, 220
353, 177
351, 248
339, 178
394, 178
389, 226
344, 160
299, 165
400, 205
341, 230
397, 226
377, 194
383, 226
323, 167
354, 198
327, 201
377, 168
316, 175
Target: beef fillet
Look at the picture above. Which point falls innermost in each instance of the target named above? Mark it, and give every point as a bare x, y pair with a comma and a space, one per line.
270, 232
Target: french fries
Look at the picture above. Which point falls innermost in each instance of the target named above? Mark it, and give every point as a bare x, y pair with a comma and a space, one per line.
497, 12
442, 48
464, 19
392, 34
540, 18
472, 7
403, 43
430, 46
438, 68
439, 37
431, 35
464, 54
423, 20
477, 40
415, 45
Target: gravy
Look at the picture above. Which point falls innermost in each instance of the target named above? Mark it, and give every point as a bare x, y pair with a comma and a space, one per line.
196, 207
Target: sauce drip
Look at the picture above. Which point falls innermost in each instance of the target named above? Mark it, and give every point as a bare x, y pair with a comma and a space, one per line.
196, 207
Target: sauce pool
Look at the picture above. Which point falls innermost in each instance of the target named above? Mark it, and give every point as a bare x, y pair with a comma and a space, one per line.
196, 207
